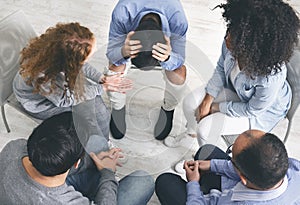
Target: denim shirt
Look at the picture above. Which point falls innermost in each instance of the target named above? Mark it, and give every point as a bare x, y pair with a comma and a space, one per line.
126, 17
235, 193
264, 100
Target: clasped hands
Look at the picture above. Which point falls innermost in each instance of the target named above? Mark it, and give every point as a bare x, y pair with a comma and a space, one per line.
108, 159
194, 169
160, 51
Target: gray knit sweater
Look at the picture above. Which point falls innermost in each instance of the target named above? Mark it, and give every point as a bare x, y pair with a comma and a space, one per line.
16, 187
36, 103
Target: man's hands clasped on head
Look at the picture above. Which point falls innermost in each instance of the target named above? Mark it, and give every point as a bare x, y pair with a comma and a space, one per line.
162, 52
131, 48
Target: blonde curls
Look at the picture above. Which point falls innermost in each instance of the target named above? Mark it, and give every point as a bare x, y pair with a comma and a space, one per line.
62, 48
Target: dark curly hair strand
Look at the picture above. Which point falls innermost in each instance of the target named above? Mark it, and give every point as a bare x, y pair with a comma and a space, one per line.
263, 34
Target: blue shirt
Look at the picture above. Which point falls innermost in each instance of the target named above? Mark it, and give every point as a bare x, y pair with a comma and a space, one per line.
264, 100
126, 17
234, 192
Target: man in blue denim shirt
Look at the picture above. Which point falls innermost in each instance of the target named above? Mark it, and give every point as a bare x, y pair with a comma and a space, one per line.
133, 24
259, 172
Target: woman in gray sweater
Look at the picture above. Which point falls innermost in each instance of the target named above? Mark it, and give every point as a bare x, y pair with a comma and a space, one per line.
55, 77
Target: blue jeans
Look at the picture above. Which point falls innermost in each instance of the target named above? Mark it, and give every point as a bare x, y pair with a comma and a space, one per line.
134, 189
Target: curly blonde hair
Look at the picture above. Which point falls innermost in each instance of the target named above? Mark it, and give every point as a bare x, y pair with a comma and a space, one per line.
63, 48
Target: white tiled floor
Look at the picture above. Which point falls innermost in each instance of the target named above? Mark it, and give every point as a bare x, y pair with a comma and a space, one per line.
205, 34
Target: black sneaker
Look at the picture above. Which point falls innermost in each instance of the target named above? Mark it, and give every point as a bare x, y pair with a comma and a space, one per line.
117, 123
164, 124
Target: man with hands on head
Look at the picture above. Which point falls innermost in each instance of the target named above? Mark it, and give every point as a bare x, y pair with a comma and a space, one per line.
132, 48
148, 34
259, 172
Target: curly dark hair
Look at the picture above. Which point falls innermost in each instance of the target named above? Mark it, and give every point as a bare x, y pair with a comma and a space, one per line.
62, 48
263, 34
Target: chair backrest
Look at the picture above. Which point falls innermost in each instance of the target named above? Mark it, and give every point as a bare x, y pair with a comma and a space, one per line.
293, 77
15, 33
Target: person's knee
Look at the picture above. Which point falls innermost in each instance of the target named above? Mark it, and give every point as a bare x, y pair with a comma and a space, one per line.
145, 178
136, 188
204, 151
181, 71
162, 178
188, 105
202, 132
177, 76
96, 144
118, 100
204, 128
162, 181
209, 129
207, 147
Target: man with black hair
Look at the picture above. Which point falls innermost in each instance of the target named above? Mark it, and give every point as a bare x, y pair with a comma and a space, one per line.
259, 172
55, 170
148, 34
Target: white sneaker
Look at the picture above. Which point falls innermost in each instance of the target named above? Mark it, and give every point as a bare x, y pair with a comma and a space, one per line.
171, 141
111, 144
179, 167
174, 140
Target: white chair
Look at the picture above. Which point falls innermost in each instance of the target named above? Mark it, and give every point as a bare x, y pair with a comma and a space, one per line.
15, 33
293, 77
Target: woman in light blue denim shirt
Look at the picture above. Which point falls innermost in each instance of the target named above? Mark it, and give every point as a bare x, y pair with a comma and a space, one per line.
230, 106
264, 100
248, 89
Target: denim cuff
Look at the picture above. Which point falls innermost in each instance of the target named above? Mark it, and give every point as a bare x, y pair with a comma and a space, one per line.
223, 107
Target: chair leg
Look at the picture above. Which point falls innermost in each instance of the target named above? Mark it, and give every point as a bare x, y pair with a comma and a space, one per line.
287, 131
4, 119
